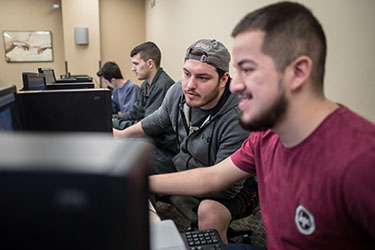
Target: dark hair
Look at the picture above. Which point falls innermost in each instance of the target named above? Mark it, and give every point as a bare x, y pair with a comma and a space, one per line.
110, 70
291, 30
198, 52
148, 50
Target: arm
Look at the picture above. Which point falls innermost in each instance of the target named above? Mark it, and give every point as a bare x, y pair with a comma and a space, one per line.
198, 181
130, 98
115, 108
9, 46
132, 131
137, 112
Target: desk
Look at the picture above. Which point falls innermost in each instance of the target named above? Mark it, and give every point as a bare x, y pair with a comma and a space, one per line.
152, 213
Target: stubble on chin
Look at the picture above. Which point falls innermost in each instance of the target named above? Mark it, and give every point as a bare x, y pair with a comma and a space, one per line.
269, 118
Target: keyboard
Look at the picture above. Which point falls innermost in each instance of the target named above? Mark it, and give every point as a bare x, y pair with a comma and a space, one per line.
203, 240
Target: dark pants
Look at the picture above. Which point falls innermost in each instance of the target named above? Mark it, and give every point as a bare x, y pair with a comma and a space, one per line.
240, 206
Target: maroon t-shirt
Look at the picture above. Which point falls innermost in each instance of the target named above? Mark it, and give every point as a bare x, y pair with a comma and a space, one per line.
319, 194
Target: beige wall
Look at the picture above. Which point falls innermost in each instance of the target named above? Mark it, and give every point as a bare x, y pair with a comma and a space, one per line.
122, 27
30, 15
175, 24
349, 27
115, 27
82, 59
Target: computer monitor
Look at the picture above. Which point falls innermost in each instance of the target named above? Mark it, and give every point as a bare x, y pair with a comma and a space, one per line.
73, 110
51, 77
73, 192
9, 116
49, 74
33, 81
52, 83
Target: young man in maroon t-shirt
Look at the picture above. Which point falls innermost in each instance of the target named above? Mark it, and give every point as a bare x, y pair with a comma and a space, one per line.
314, 159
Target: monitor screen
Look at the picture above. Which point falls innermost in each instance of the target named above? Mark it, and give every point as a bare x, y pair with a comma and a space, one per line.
74, 110
74, 191
33, 81
49, 74
9, 117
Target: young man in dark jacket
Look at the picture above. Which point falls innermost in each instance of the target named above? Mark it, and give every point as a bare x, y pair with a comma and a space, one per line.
204, 116
146, 59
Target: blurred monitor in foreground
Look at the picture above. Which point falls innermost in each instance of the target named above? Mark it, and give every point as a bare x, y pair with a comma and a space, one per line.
73, 191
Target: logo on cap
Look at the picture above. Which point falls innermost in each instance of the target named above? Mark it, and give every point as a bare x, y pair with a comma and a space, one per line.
203, 46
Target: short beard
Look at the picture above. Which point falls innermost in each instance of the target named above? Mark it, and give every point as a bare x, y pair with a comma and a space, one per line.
268, 119
207, 100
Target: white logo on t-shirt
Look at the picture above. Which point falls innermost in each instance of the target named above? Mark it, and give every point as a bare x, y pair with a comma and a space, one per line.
305, 221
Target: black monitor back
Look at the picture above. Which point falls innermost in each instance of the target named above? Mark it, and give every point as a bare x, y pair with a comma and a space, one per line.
74, 110
49, 74
33, 81
73, 192
71, 83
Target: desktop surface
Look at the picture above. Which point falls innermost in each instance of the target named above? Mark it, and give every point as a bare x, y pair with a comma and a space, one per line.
165, 236
70, 85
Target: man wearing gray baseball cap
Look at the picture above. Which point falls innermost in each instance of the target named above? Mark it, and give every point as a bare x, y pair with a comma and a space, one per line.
204, 115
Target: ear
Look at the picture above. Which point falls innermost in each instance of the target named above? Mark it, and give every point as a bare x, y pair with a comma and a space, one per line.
224, 79
150, 63
300, 71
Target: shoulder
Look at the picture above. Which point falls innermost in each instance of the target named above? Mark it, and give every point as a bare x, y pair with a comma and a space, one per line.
175, 91
352, 120
115, 91
348, 129
132, 84
164, 78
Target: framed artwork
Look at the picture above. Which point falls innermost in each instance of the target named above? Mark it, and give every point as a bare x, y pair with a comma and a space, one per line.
28, 46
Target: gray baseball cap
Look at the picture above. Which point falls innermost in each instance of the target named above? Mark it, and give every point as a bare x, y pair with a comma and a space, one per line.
215, 53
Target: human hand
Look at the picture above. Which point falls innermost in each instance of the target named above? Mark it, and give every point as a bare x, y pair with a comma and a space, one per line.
43, 48
9, 46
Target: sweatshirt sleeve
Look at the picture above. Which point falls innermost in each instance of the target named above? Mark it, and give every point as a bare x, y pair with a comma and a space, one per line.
159, 121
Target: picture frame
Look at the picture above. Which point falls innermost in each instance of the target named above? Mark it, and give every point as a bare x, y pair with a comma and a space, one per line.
28, 46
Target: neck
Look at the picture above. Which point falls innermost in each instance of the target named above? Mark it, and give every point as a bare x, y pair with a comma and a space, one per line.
215, 101
120, 83
302, 118
152, 75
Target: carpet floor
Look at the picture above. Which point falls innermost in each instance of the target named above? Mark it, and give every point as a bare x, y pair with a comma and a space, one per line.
253, 222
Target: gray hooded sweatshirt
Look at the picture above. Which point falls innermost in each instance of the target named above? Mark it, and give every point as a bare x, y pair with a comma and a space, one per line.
218, 137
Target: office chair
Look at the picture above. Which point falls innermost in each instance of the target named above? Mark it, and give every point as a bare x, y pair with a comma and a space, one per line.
188, 205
